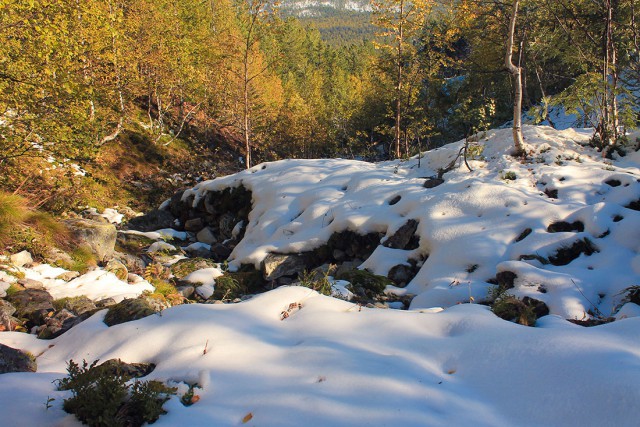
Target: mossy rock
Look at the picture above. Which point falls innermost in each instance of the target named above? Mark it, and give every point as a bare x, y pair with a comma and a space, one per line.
78, 305
524, 312
185, 267
364, 283
118, 268
13, 360
133, 244
133, 309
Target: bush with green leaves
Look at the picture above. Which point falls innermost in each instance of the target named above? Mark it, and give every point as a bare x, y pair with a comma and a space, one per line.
316, 281
102, 395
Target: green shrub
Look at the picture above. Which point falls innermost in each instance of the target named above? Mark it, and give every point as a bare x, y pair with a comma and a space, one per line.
316, 281
363, 283
509, 176
227, 287
102, 397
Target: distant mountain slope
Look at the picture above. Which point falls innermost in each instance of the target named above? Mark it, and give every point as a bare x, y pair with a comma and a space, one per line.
340, 22
319, 8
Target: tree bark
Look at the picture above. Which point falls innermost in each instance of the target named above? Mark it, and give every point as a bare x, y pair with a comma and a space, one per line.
399, 83
516, 72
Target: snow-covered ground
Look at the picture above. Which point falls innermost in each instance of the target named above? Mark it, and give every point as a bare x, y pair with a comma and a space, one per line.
443, 362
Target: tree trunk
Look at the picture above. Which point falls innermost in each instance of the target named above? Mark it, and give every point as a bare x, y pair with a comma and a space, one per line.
399, 84
516, 72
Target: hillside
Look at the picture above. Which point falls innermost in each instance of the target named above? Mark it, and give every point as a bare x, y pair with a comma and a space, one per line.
554, 237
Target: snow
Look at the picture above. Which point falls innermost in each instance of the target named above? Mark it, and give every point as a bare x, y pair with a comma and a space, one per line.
471, 220
445, 361
204, 276
162, 234
96, 285
333, 363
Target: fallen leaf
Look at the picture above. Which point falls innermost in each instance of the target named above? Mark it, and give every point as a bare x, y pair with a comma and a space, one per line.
247, 418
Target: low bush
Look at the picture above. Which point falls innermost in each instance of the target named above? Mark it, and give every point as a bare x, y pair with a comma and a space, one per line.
102, 396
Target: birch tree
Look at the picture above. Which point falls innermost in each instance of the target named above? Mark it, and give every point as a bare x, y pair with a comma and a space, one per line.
516, 72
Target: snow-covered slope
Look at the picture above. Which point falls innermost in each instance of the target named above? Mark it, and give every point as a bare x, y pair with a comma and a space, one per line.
469, 225
333, 363
319, 7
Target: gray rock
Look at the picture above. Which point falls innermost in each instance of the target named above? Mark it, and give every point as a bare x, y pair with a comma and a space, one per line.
21, 259
55, 256
105, 302
99, 237
55, 325
68, 276
195, 224
118, 268
32, 304
6, 308
154, 220
131, 262
186, 291
226, 225
133, 309
80, 305
30, 284
206, 236
8, 323
433, 182
402, 237
220, 252
275, 266
12, 360
198, 252
401, 275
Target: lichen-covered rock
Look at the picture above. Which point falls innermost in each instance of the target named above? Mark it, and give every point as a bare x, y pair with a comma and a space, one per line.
30, 284
21, 259
12, 360
32, 304
67, 276
97, 236
275, 266
7, 321
79, 305
133, 309
207, 236
118, 268
154, 220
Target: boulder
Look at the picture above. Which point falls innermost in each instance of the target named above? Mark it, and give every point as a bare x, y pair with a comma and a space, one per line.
194, 225
275, 266
7, 321
206, 236
186, 291
220, 252
133, 309
80, 305
401, 274
32, 304
30, 284
403, 236
433, 182
118, 268
68, 276
99, 237
21, 259
12, 360
154, 220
